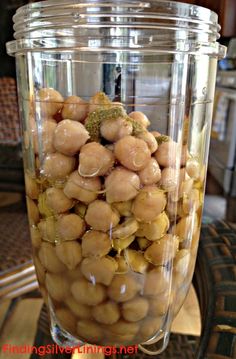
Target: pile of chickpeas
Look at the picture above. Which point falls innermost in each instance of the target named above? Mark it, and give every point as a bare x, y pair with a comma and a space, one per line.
114, 208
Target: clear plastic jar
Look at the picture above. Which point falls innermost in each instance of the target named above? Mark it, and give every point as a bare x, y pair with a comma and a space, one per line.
116, 106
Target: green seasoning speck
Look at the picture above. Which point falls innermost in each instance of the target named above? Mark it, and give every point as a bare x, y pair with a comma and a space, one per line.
137, 128
161, 139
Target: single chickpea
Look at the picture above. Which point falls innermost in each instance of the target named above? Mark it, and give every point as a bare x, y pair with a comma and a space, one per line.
121, 243
49, 259
70, 227
186, 187
123, 287
99, 270
47, 229
156, 282
169, 179
43, 137
187, 227
95, 244
132, 153
166, 153
95, 160
135, 309
151, 173
101, 217
106, 313
81, 311
150, 140
182, 261
57, 200
123, 328
162, 251
193, 168
33, 212
57, 166
75, 109
124, 208
155, 229
125, 229
57, 286
35, 237
69, 137
83, 189
140, 118
122, 265
136, 261
158, 305
114, 130
191, 202
88, 293
89, 331
31, 187
40, 270
50, 101
149, 327
148, 204
69, 253
121, 185
66, 319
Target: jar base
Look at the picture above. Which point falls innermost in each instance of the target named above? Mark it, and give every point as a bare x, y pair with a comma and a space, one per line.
156, 345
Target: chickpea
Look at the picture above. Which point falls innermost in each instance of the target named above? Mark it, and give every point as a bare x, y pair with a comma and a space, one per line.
155, 229
150, 327
132, 153
83, 189
101, 217
69, 137
143, 243
121, 243
33, 212
40, 271
35, 237
166, 153
181, 262
49, 259
69, 253
158, 305
89, 331
70, 227
114, 130
99, 101
57, 200
185, 187
88, 293
156, 282
95, 160
193, 168
31, 187
121, 185
99, 270
75, 109
122, 328
57, 166
124, 208
151, 174
169, 179
51, 101
43, 137
191, 202
81, 311
57, 286
125, 229
66, 319
106, 313
140, 118
162, 251
135, 309
47, 229
122, 265
95, 243
150, 140
136, 261
123, 287
148, 204
187, 227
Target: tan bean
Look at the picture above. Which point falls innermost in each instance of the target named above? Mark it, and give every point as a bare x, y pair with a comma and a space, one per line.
99, 101
121, 243
136, 260
114, 185
113, 130
125, 229
88, 293
47, 229
156, 282
43, 137
66, 319
89, 331
33, 212
49, 259
132, 153
182, 261
40, 270
155, 229
151, 173
101, 217
106, 313
124, 208
158, 305
57, 286
162, 251
150, 140
95, 160
57, 166
122, 265
148, 204
99, 270
74, 108
31, 187
193, 168
135, 309
57, 200
69, 253
166, 153
187, 227
51, 101
140, 118
169, 179
81, 311
70, 227
35, 237
95, 243
83, 189
192, 201
123, 287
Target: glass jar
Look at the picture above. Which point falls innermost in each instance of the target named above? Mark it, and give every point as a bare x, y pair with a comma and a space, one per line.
116, 107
